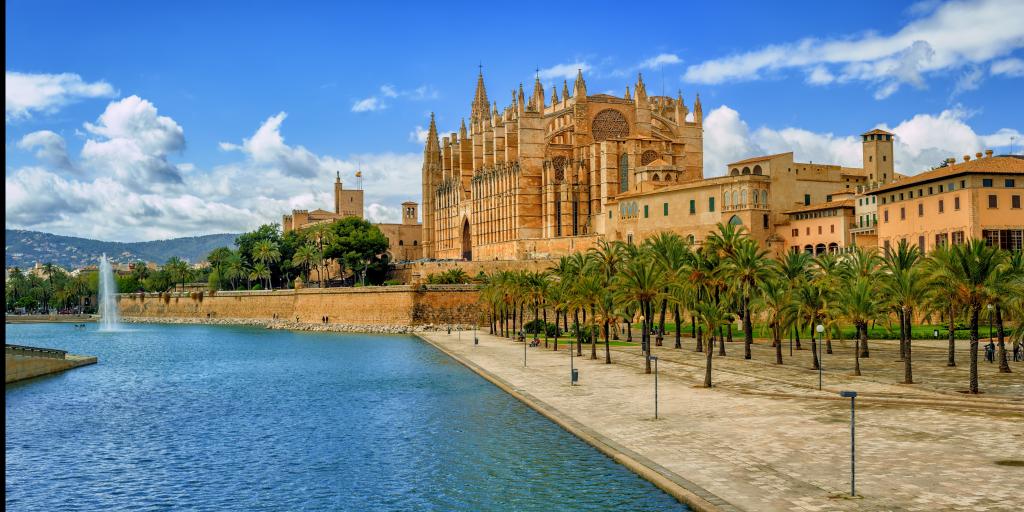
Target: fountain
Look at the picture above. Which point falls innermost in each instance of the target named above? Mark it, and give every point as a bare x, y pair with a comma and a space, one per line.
109, 318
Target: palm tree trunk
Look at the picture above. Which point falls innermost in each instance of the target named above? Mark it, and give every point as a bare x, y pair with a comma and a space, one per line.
778, 344
814, 352
700, 340
607, 345
796, 336
1004, 365
545, 327
748, 329
862, 336
661, 321
679, 338
593, 339
903, 335
693, 326
721, 342
536, 316
579, 333
707, 367
828, 340
951, 354
975, 311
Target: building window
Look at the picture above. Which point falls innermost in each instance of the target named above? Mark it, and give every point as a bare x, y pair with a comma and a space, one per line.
764, 198
807, 199
400, 242
819, 230
609, 214
1010, 183
940, 189
623, 173
963, 183
993, 201
693, 206
903, 213
1014, 201
629, 239
941, 240
796, 233
942, 206
885, 215
886, 246
711, 204
958, 237
883, 158
832, 228
920, 243
808, 231
664, 208
929, 190
991, 237
920, 210
765, 218
828, 198
645, 211
987, 183
956, 203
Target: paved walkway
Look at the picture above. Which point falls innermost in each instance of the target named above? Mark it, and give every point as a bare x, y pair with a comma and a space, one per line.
765, 439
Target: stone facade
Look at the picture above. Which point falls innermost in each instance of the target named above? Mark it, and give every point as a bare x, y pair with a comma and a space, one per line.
347, 203
543, 170
389, 305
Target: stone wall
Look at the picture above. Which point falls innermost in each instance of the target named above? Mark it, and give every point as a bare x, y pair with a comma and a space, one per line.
416, 272
20, 367
385, 305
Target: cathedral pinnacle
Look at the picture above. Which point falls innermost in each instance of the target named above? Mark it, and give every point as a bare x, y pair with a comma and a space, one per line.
481, 107
580, 87
432, 142
554, 94
628, 96
565, 90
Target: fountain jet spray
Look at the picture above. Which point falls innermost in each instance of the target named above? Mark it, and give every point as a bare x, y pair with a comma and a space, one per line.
109, 318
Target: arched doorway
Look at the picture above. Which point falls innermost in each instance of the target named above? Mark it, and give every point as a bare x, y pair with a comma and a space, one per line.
467, 242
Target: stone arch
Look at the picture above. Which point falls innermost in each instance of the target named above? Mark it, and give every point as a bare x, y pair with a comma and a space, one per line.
809, 249
609, 124
735, 221
735, 172
818, 249
746, 170
467, 241
833, 248
655, 178
757, 170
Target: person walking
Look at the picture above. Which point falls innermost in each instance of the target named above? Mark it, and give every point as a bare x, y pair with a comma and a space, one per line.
1016, 351
990, 352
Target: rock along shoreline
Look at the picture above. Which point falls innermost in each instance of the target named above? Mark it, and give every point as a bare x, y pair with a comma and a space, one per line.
297, 326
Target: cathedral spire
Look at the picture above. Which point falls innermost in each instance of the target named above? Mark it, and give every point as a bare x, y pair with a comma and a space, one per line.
580, 87
462, 130
432, 143
565, 90
554, 94
481, 107
522, 98
537, 98
698, 114
628, 96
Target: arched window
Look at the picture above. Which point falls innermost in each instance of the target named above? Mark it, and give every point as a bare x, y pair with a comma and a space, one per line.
754, 197
743, 197
809, 249
725, 200
656, 178
735, 172
735, 200
819, 249
735, 221
764, 198
746, 170
623, 173
757, 170
400, 242
415, 242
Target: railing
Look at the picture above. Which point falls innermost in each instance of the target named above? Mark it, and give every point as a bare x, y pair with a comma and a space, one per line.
23, 350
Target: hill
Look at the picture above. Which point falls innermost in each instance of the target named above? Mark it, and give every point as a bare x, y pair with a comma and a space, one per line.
25, 248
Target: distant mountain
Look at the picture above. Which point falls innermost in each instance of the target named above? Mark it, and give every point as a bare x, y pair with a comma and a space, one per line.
25, 248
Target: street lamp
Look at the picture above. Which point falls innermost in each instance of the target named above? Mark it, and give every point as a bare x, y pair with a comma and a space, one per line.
852, 395
476, 341
820, 328
989, 322
645, 344
655, 358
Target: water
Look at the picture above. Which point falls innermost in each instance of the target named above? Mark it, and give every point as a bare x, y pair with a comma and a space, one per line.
109, 318
232, 418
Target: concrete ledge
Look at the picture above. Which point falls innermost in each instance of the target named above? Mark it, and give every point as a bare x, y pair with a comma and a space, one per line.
687, 492
18, 368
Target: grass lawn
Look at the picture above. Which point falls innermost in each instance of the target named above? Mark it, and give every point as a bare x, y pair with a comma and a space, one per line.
877, 332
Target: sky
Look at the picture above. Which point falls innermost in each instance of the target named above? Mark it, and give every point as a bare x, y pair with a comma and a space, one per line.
132, 121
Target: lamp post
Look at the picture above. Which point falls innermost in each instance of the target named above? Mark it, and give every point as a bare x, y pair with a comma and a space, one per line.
572, 369
645, 343
476, 341
852, 395
989, 322
820, 328
655, 359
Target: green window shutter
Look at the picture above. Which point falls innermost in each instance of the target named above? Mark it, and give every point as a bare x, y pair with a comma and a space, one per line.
645, 211
665, 206
711, 204
693, 206
807, 199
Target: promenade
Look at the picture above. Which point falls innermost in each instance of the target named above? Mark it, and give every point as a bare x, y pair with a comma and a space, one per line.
765, 439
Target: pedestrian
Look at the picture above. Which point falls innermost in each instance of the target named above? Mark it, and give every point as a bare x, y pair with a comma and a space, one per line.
990, 352
1016, 351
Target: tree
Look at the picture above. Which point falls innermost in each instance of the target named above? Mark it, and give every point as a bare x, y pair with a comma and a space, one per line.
1008, 283
711, 315
357, 244
641, 280
747, 268
795, 269
259, 272
974, 265
907, 289
780, 310
266, 253
942, 297
860, 304
178, 270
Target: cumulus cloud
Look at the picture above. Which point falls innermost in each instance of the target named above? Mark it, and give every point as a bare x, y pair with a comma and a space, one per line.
50, 148
376, 212
419, 135
950, 36
566, 71
374, 103
922, 141
133, 142
969, 80
266, 149
27, 92
1009, 67
820, 75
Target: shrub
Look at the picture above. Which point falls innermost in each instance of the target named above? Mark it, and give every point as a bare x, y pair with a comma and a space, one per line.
541, 327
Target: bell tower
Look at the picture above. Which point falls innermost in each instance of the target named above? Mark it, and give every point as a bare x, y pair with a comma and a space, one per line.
878, 162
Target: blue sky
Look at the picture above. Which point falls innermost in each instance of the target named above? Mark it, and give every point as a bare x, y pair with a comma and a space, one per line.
139, 120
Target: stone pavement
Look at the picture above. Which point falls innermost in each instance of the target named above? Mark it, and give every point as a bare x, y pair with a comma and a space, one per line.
765, 439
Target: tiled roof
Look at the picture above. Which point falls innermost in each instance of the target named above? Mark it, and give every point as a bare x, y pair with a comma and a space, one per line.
877, 131
760, 158
1007, 164
845, 203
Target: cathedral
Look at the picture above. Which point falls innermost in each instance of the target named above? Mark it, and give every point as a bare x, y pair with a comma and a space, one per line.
534, 179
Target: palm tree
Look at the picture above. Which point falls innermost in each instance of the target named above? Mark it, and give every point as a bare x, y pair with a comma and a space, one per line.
669, 252
305, 257
747, 268
711, 316
942, 297
860, 304
827, 276
641, 281
974, 265
267, 253
1008, 283
810, 307
897, 264
259, 271
776, 301
795, 268
234, 268
864, 263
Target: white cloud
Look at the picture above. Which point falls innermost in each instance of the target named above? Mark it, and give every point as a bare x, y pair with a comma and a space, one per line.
565, 71
376, 212
137, 143
970, 80
820, 75
26, 92
662, 59
953, 35
922, 141
388, 91
1009, 67
419, 134
266, 148
368, 105
52, 148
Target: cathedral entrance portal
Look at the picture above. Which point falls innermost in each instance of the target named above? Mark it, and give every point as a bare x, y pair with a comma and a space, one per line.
467, 242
